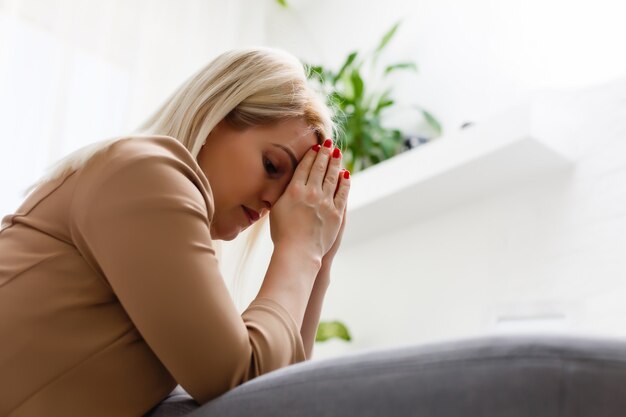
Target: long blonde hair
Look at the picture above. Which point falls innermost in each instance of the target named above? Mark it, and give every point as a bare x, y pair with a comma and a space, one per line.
246, 87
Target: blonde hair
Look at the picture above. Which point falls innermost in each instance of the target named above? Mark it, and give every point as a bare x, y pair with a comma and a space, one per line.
246, 87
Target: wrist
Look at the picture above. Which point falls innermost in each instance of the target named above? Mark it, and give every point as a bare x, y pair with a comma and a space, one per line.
290, 279
323, 276
305, 256
325, 267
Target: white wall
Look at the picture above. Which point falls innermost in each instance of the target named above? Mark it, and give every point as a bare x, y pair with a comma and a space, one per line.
474, 57
551, 246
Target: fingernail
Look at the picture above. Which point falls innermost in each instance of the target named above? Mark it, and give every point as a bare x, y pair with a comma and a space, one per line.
316, 148
336, 153
328, 143
346, 174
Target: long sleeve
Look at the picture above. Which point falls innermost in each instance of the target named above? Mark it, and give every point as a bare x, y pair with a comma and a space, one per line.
142, 220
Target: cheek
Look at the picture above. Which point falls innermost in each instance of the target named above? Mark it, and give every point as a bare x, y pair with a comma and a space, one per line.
237, 190
241, 181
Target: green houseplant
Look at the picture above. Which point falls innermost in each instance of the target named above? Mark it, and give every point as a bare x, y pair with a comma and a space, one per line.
332, 329
365, 139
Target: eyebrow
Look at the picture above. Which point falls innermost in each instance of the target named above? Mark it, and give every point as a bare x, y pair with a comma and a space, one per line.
294, 161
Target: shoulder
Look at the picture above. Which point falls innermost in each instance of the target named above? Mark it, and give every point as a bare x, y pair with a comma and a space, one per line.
156, 162
133, 148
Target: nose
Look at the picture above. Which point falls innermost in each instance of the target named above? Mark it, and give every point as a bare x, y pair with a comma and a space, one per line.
268, 207
271, 194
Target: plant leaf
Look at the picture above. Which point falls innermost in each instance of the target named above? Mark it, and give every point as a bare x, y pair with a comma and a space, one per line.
332, 329
282, 3
357, 84
315, 71
387, 37
389, 145
382, 104
432, 122
345, 65
401, 65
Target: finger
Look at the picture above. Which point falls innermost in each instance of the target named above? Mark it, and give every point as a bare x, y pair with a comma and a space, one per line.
343, 225
340, 176
318, 170
304, 166
332, 174
341, 198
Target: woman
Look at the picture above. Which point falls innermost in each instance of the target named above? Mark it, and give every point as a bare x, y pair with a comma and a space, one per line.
110, 289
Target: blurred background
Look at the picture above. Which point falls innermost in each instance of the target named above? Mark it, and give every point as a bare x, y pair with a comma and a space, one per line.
493, 197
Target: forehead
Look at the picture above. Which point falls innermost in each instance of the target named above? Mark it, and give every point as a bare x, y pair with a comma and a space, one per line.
294, 134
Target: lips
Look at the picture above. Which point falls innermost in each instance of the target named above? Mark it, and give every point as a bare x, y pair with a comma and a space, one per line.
252, 215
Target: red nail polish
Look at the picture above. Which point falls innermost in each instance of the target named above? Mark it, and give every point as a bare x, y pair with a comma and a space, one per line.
328, 143
316, 148
336, 153
346, 174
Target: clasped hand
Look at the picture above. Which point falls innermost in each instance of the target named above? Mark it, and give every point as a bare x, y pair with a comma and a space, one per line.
311, 213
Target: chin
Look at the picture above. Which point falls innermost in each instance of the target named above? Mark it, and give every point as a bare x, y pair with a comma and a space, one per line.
230, 237
226, 235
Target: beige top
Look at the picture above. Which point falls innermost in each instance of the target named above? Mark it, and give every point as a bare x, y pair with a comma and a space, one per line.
111, 292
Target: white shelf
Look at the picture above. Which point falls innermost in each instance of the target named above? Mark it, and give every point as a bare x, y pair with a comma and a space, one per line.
454, 169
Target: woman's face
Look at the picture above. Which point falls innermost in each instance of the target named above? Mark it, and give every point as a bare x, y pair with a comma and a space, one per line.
250, 168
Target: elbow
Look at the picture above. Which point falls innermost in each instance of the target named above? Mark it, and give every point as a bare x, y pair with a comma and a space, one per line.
229, 369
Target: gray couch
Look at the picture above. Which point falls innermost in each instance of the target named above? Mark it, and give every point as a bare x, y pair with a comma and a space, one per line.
512, 376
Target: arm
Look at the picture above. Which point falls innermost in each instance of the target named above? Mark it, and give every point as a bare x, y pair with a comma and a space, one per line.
296, 262
294, 292
144, 224
314, 309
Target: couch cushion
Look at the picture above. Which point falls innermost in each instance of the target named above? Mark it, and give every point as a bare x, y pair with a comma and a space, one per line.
512, 376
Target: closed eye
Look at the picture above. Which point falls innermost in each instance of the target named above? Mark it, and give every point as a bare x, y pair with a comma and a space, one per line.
269, 167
